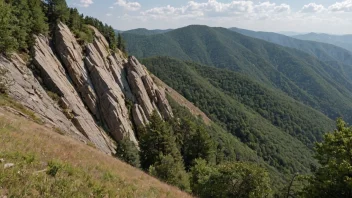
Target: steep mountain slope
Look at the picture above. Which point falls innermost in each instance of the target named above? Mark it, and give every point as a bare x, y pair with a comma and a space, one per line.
48, 163
344, 41
269, 122
90, 89
296, 73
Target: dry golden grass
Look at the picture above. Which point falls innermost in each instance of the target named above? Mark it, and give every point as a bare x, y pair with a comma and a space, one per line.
48, 164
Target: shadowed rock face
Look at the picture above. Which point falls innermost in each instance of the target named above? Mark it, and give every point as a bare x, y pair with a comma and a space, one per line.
97, 89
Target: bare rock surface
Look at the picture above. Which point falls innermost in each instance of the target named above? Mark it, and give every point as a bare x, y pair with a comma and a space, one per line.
70, 53
54, 76
147, 94
24, 88
96, 88
112, 102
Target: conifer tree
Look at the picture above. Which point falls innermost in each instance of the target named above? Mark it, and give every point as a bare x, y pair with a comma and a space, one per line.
127, 151
155, 139
8, 43
38, 18
57, 10
22, 23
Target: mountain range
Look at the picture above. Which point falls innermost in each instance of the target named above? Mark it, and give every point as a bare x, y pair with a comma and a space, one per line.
273, 92
344, 41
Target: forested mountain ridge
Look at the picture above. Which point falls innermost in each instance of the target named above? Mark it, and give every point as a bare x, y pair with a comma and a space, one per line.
337, 57
259, 116
322, 50
343, 41
300, 75
143, 31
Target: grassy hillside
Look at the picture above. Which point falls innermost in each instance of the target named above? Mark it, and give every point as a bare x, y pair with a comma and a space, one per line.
273, 126
301, 76
48, 164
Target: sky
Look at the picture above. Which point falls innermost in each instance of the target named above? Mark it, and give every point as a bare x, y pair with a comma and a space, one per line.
323, 16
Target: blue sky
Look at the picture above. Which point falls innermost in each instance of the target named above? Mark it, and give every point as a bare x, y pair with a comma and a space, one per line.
329, 16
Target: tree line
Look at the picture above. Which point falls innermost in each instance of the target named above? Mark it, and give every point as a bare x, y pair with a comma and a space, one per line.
22, 19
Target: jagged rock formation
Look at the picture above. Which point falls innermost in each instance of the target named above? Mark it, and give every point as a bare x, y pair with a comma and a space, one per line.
148, 95
70, 53
24, 88
54, 77
97, 88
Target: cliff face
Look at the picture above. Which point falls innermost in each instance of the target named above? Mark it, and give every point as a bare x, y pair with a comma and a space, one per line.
98, 89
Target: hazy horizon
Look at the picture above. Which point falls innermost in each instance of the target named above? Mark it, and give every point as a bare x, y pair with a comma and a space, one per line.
324, 16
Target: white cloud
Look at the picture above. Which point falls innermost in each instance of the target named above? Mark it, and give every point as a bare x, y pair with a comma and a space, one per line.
132, 6
111, 7
214, 8
344, 6
312, 8
86, 3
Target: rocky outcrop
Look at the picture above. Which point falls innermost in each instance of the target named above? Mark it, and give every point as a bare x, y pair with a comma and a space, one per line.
96, 88
24, 88
111, 100
70, 53
102, 68
147, 94
55, 78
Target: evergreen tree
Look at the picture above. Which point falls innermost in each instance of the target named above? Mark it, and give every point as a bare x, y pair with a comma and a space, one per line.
127, 151
75, 21
156, 139
8, 43
230, 180
38, 18
171, 171
111, 36
160, 155
334, 176
121, 44
22, 23
194, 142
57, 10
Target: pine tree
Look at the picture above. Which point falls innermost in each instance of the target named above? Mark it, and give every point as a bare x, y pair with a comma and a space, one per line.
121, 44
57, 10
155, 139
171, 171
8, 43
127, 151
38, 18
333, 178
110, 34
194, 142
75, 21
22, 24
